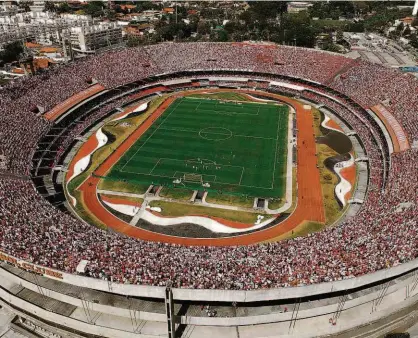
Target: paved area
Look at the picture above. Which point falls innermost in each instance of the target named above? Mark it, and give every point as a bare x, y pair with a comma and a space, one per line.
378, 49
5, 319
6, 331
413, 331
13, 334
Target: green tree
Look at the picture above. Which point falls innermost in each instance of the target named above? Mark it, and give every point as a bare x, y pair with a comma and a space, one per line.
64, 8
339, 35
133, 41
332, 47
264, 10
11, 52
356, 27
360, 7
407, 31
94, 8
296, 29
335, 13
400, 28
194, 21
203, 27
110, 14
377, 23
219, 35
49, 7
414, 41
25, 5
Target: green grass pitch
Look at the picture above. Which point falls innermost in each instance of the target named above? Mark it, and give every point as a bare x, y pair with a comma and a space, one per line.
230, 147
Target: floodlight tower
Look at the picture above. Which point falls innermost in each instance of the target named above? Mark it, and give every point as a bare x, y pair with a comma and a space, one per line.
415, 10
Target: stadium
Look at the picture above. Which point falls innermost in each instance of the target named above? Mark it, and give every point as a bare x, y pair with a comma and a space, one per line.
187, 189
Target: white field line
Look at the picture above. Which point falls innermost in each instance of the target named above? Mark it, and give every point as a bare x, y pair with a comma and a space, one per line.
242, 174
289, 167
195, 161
230, 184
217, 182
227, 113
149, 137
233, 135
120, 193
261, 100
197, 106
275, 156
154, 166
258, 137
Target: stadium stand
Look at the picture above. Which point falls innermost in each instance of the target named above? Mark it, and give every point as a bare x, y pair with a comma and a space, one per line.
382, 235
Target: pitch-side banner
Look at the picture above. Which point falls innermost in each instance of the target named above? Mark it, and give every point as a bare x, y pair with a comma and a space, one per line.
30, 267
412, 69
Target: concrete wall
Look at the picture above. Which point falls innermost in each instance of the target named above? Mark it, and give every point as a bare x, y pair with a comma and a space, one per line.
358, 311
123, 312
75, 324
225, 295
315, 310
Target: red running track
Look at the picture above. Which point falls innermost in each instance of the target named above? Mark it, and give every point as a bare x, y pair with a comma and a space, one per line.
309, 194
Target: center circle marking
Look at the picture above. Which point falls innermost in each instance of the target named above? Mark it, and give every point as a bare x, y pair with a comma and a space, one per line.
215, 133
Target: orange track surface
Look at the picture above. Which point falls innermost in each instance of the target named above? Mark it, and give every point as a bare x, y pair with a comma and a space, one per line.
92, 142
333, 124
119, 200
228, 223
85, 149
349, 174
138, 96
309, 204
231, 224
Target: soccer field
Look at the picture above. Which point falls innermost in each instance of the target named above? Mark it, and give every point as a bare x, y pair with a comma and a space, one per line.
229, 147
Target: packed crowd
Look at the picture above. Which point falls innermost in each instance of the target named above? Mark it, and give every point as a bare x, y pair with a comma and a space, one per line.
371, 140
64, 142
397, 90
22, 99
295, 62
382, 235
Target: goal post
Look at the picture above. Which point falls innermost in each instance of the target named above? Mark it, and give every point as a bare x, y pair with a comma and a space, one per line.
193, 178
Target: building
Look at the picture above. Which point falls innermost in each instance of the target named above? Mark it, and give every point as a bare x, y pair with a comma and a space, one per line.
296, 6
9, 10
91, 38
168, 10
37, 6
41, 27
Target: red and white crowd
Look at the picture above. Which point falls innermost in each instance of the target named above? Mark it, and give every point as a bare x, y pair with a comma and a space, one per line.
383, 234
370, 84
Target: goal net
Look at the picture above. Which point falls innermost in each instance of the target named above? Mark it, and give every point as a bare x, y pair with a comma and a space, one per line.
193, 178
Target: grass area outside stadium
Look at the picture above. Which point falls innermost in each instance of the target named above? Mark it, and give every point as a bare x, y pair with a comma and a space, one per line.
233, 148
